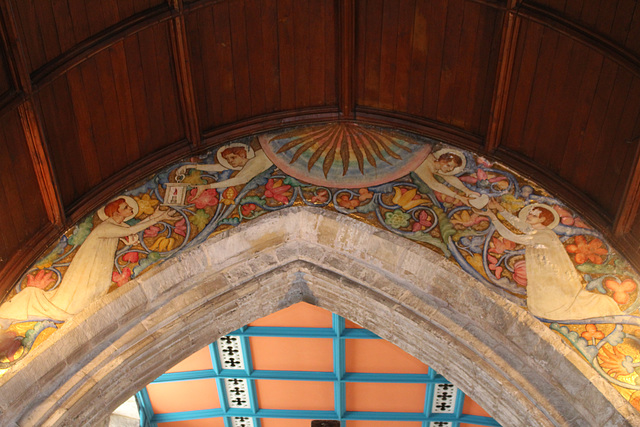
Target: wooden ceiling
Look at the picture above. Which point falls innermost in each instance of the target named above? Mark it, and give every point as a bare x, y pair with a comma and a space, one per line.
96, 94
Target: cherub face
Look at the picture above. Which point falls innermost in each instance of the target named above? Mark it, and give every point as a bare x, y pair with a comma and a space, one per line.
235, 160
533, 217
446, 167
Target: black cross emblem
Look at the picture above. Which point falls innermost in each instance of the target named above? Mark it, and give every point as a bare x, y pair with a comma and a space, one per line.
446, 386
443, 406
237, 391
228, 340
233, 362
238, 401
230, 350
445, 395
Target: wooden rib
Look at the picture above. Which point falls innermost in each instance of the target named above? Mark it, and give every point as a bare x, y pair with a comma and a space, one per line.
184, 78
347, 58
630, 204
15, 50
98, 42
41, 164
31, 125
510, 32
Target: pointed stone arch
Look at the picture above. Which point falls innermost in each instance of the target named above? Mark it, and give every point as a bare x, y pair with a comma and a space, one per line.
510, 363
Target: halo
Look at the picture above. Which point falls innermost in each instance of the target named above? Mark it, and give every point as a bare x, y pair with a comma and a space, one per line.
130, 201
458, 153
225, 163
525, 211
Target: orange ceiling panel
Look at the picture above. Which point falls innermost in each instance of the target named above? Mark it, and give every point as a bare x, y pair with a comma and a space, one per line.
297, 395
472, 408
301, 315
380, 356
385, 397
275, 422
198, 361
351, 325
209, 422
361, 423
292, 354
183, 396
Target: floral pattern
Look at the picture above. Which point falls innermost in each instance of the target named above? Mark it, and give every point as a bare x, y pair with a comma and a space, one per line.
406, 207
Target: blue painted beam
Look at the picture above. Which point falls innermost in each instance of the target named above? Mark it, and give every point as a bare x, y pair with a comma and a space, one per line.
290, 332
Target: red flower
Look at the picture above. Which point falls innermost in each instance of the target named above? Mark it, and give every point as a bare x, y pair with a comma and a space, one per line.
346, 202
10, 342
587, 251
131, 257
567, 218
276, 190
320, 197
121, 278
493, 266
622, 290
365, 194
180, 228
443, 198
499, 245
209, 197
152, 231
248, 209
520, 273
42, 279
424, 221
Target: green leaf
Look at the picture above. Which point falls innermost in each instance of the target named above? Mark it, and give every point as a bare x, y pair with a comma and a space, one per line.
81, 232
200, 219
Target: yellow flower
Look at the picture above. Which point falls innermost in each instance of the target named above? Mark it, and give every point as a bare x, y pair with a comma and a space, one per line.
229, 196
405, 199
146, 205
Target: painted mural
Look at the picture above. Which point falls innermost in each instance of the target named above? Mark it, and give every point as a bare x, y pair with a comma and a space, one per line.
498, 227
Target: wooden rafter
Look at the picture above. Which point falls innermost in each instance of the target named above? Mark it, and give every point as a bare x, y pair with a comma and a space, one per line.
30, 121
347, 58
184, 78
510, 32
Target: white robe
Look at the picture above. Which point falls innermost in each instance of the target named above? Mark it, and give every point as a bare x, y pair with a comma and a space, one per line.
87, 278
554, 286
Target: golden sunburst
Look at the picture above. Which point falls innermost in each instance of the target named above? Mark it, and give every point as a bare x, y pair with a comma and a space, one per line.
348, 140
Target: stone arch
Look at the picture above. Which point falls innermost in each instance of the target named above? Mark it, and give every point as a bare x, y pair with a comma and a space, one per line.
506, 360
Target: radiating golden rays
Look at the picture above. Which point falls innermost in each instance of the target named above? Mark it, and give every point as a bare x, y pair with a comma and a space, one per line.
348, 140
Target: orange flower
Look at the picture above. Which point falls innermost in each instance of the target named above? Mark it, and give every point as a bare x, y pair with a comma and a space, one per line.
592, 332
615, 362
587, 251
620, 290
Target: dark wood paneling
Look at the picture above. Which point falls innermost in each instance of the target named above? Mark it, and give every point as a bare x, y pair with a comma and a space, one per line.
251, 58
115, 108
23, 212
5, 75
49, 28
565, 113
614, 20
433, 59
